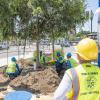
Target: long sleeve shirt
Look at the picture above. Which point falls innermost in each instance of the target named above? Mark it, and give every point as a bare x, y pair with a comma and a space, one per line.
64, 87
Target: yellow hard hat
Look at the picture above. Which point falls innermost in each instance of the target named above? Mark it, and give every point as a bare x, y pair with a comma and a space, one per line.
87, 49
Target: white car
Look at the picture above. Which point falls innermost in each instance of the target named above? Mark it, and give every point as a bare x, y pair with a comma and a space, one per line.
65, 44
4, 46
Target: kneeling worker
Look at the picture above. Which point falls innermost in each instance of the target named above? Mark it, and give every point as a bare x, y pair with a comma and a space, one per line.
13, 69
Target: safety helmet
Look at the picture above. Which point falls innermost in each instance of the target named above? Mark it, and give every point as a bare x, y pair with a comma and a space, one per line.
58, 53
87, 49
69, 54
13, 59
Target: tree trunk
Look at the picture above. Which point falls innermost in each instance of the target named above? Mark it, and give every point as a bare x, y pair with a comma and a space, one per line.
53, 48
24, 48
7, 52
37, 57
75, 29
18, 49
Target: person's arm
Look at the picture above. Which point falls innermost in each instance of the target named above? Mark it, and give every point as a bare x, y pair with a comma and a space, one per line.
63, 88
17, 67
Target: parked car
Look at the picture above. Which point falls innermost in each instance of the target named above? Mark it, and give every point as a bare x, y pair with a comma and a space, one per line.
4, 45
45, 42
65, 44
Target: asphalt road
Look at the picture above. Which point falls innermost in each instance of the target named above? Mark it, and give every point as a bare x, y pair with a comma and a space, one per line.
13, 50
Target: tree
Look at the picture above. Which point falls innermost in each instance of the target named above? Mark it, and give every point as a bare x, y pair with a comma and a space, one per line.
36, 19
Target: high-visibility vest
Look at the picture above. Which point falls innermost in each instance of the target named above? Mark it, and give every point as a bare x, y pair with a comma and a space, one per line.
85, 82
11, 68
42, 59
71, 63
60, 59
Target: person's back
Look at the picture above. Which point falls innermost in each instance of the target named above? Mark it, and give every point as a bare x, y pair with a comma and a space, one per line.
11, 68
81, 82
60, 59
85, 80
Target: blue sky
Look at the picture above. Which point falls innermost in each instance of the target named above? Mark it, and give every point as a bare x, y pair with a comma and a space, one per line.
92, 5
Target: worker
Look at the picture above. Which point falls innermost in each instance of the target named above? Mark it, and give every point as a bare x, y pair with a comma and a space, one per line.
13, 69
43, 59
81, 82
59, 63
71, 62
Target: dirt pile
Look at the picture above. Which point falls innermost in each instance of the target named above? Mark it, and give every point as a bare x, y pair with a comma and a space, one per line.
4, 81
3, 78
43, 82
25, 62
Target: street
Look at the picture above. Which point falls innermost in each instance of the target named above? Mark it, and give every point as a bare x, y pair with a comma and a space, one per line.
13, 51
29, 50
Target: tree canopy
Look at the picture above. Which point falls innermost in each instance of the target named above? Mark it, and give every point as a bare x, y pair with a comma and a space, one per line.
36, 19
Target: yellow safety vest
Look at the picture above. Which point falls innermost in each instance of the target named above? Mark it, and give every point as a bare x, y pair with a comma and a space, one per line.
73, 62
11, 68
85, 83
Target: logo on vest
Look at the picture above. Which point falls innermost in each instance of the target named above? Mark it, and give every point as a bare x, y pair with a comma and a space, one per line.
90, 82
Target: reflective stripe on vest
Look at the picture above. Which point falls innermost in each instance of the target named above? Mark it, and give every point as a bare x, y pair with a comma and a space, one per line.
75, 84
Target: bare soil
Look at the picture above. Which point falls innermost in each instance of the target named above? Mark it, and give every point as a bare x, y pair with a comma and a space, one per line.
41, 82
44, 81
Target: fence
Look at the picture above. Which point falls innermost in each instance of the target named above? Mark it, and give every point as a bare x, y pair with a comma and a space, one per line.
5, 55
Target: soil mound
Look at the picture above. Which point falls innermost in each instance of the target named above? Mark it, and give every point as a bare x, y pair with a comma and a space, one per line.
44, 81
23, 62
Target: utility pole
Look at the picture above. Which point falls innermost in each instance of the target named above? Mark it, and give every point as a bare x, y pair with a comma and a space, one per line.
99, 34
99, 25
91, 18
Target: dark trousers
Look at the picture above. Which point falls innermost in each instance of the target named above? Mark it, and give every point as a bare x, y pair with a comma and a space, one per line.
18, 71
59, 68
